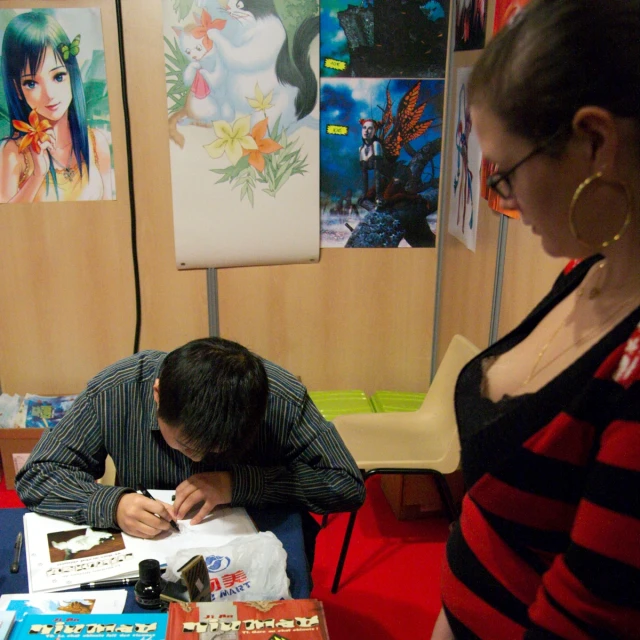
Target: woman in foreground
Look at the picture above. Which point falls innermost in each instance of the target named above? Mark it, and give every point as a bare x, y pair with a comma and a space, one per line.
547, 545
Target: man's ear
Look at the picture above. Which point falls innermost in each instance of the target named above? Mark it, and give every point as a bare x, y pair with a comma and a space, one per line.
598, 129
156, 390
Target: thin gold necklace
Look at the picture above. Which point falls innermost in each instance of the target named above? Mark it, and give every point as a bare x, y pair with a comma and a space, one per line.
594, 292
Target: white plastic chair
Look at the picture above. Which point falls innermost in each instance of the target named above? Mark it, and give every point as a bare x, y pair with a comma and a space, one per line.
417, 442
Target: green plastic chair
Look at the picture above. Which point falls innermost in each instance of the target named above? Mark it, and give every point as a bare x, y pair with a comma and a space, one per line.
343, 402
384, 401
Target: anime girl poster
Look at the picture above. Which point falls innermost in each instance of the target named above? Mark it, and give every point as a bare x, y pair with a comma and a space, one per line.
471, 22
506, 11
384, 38
465, 169
242, 87
380, 159
55, 131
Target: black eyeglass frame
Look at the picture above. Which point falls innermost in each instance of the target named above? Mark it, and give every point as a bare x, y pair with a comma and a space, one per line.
495, 179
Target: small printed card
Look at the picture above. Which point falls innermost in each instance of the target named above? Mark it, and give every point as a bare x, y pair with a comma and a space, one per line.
74, 602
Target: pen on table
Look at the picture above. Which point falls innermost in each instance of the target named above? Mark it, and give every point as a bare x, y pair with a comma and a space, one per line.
17, 548
107, 584
146, 494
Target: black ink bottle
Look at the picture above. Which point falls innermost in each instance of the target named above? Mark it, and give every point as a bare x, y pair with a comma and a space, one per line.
150, 585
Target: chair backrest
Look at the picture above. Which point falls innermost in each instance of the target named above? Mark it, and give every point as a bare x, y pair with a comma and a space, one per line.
439, 400
459, 352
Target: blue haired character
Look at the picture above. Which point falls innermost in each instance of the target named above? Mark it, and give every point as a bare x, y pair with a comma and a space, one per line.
50, 154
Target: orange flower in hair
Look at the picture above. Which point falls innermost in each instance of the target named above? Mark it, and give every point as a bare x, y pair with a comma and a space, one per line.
35, 131
205, 23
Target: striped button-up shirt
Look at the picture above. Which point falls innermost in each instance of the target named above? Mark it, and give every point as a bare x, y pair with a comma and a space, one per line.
298, 458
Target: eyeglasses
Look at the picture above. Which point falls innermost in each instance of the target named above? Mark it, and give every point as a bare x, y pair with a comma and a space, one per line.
501, 181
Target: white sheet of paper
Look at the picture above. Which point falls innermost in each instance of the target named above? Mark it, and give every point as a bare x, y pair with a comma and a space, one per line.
117, 556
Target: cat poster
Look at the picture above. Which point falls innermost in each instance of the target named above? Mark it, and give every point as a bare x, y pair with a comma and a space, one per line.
471, 22
380, 158
243, 116
465, 169
55, 123
384, 38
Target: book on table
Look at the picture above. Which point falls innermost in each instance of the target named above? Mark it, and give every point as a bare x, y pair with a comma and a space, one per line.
63, 555
115, 626
7, 618
75, 602
301, 619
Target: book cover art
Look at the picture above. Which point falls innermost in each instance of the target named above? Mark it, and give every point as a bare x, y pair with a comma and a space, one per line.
258, 620
117, 626
22, 604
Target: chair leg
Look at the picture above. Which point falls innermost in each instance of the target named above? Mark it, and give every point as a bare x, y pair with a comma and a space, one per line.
343, 551
447, 498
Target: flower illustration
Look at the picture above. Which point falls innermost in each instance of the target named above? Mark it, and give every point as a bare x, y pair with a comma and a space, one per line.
35, 130
265, 145
232, 139
260, 102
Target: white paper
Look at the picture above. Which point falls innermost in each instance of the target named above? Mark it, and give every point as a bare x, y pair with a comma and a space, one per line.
57, 560
75, 602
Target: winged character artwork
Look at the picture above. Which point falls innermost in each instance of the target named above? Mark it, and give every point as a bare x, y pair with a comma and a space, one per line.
395, 171
242, 70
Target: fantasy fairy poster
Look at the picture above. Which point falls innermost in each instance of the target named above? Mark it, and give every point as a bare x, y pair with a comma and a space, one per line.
465, 168
506, 11
380, 158
55, 123
384, 38
471, 23
243, 117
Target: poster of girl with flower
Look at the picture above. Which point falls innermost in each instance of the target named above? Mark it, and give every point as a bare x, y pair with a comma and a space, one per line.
242, 92
55, 134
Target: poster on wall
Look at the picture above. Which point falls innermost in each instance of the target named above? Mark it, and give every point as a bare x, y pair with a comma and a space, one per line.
491, 195
242, 88
471, 23
55, 123
380, 157
506, 11
384, 38
465, 168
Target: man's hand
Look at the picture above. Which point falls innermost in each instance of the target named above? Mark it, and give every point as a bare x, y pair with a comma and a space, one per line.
213, 489
143, 517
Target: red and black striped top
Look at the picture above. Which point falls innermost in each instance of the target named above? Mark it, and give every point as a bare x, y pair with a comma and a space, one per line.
548, 543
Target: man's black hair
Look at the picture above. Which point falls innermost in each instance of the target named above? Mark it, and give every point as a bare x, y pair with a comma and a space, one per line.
215, 392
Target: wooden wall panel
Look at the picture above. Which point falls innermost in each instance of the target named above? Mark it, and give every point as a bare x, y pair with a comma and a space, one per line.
528, 275
174, 303
359, 319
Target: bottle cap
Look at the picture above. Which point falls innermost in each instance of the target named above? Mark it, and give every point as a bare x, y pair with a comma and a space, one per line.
149, 570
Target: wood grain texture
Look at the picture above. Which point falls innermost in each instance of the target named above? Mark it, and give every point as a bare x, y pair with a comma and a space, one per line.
358, 319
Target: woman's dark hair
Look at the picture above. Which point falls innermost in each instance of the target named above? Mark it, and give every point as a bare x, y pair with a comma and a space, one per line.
215, 391
556, 57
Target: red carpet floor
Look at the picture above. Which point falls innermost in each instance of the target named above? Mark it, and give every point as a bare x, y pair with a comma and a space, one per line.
390, 583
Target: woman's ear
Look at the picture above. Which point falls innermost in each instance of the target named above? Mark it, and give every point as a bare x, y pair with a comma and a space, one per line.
597, 129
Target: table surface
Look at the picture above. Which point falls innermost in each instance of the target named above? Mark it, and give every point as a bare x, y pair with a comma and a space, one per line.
286, 524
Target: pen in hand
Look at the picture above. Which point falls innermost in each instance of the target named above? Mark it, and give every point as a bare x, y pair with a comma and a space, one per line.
17, 548
146, 494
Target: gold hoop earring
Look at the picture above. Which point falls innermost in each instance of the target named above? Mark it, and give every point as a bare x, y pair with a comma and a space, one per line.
578, 193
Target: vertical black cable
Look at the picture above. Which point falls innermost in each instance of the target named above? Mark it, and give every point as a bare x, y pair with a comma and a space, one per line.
132, 200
